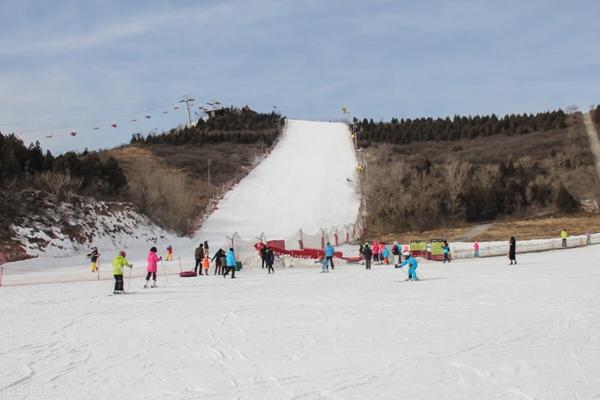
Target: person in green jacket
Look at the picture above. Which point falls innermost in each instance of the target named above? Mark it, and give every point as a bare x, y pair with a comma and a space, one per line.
119, 263
564, 235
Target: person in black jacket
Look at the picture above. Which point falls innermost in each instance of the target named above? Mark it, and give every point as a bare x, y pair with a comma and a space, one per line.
512, 250
270, 259
263, 254
367, 254
218, 259
199, 255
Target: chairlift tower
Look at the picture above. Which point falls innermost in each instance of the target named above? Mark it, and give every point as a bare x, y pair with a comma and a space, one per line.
187, 100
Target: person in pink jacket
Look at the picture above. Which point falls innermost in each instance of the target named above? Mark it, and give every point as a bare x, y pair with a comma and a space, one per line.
375, 250
153, 260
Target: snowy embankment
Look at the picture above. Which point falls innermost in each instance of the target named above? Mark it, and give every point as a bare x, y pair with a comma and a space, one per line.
472, 329
62, 229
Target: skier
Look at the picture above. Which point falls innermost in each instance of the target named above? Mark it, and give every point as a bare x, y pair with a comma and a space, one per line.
119, 263
476, 248
329, 251
385, 254
170, 253
324, 264
153, 260
375, 251
205, 264
94, 255
230, 263
412, 266
396, 254
199, 254
270, 259
446, 248
367, 253
564, 235
218, 261
512, 250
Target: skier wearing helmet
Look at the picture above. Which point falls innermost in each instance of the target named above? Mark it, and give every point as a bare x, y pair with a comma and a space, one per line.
119, 263
412, 269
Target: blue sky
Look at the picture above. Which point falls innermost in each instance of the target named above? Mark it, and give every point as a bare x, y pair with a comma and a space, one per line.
75, 65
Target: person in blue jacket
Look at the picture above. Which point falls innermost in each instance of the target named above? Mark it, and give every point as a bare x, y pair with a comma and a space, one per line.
329, 251
386, 255
230, 259
412, 269
446, 248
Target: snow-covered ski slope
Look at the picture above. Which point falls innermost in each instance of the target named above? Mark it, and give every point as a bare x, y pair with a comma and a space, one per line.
307, 182
472, 329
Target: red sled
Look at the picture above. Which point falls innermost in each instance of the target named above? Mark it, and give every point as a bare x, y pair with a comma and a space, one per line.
187, 274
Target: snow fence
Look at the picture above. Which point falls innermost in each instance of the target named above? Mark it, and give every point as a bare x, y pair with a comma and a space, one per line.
498, 248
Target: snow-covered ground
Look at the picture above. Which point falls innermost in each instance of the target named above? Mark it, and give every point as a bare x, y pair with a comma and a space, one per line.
472, 329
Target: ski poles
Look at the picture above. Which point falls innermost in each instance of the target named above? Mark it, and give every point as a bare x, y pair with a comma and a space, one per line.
180, 269
98, 267
164, 270
129, 277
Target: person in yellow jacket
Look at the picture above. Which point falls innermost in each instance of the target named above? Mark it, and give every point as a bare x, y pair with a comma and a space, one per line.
564, 235
119, 263
170, 253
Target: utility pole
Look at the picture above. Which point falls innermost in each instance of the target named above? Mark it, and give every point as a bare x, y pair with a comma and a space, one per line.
187, 100
209, 161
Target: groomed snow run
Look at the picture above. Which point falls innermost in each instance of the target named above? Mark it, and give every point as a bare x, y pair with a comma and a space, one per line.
472, 329
308, 182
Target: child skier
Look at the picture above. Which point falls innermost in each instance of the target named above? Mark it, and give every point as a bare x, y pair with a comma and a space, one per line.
412, 269
119, 263
205, 264
324, 264
153, 260
476, 248
170, 253
94, 255
385, 254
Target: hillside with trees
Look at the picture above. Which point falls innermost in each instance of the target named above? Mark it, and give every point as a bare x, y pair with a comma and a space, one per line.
165, 176
427, 173
176, 177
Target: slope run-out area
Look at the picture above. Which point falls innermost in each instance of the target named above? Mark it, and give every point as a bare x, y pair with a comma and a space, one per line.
307, 182
472, 329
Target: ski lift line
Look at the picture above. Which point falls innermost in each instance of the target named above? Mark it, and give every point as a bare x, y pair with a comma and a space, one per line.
96, 121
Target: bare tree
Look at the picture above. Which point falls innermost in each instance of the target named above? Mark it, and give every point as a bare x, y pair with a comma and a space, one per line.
60, 185
456, 174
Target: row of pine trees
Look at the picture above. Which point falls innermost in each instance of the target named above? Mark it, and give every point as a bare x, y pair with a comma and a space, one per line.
405, 131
